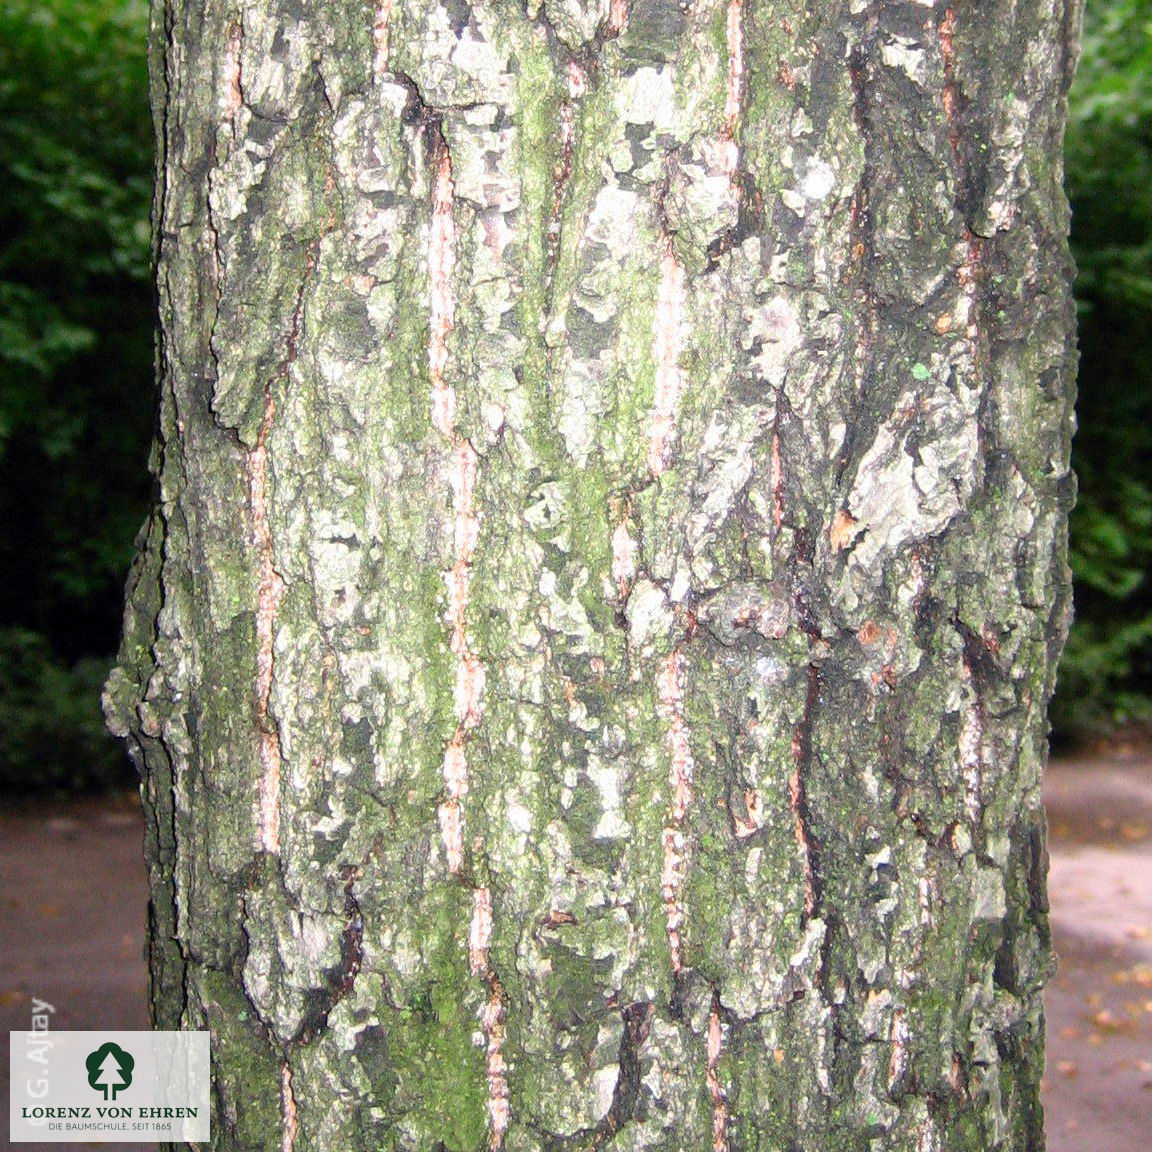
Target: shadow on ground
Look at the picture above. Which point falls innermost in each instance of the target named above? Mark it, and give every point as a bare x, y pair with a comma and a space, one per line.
73, 899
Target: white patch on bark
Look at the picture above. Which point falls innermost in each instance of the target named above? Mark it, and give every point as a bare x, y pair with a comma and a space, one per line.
929, 1137
605, 1080
898, 1035
577, 80
667, 340
623, 557
649, 616
287, 1109
818, 180
777, 327
715, 1088
670, 694
469, 687
270, 590
380, 37
906, 55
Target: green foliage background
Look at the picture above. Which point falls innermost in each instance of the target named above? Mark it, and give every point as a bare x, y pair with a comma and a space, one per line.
76, 408
1106, 674
76, 391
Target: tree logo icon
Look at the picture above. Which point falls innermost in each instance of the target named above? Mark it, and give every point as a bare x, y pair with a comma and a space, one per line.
109, 1067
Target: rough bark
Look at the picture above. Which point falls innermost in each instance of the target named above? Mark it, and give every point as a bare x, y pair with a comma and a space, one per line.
589, 660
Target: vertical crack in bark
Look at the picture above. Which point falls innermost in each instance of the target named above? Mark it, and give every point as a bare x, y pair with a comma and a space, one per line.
968, 274
343, 978
734, 89
637, 1022
971, 756
496, 1067
863, 255
233, 95
289, 1123
617, 16
469, 687
798, 795
269, 592
480, 930
380, 24
492, 1015
979, 670
724, 153
670, 694
667, 341
352, 942
776, 477
928, 1137
562, 173
442, 306
715, 1089
898, 1036
231, 98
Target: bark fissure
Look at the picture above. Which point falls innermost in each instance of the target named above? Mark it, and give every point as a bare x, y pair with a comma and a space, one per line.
806, 838
670, 693
270, 593
493, 1015
288, 1109
716, 1091
626, 1092
863, 255
342, 979
465, 526
380, 26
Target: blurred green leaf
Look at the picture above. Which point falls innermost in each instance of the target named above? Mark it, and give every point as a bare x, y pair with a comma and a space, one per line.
1107, 668
76, 407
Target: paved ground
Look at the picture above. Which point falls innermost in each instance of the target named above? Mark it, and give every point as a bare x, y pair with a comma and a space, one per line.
72, 905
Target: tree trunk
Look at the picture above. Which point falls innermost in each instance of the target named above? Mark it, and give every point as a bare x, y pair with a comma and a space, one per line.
589, 660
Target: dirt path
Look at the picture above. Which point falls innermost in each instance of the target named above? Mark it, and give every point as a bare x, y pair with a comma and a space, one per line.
72, 908
1098, 1090
72, 919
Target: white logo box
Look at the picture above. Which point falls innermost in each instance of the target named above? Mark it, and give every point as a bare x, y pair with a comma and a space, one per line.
109, 1087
